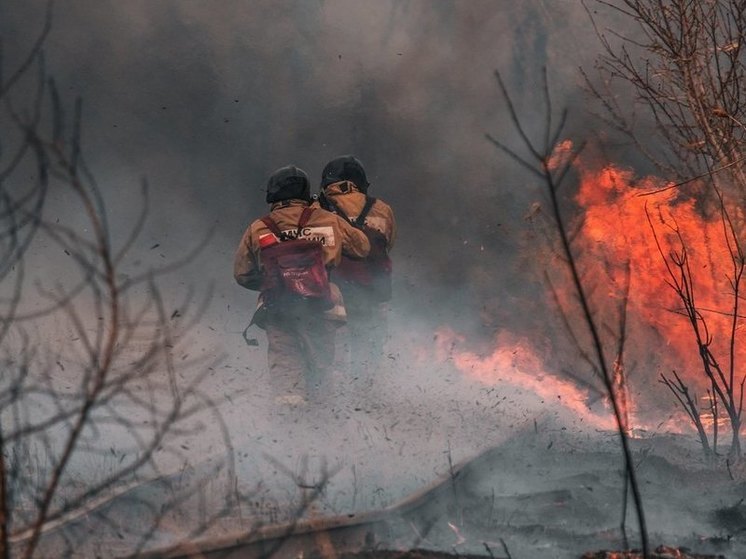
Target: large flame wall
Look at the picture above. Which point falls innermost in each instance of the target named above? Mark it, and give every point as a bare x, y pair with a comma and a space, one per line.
626, 231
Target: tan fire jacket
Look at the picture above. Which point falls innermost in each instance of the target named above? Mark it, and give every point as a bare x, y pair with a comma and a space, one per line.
334, 233
351, 201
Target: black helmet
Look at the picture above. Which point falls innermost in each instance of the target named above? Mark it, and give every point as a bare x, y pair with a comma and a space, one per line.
345, 168
286, 183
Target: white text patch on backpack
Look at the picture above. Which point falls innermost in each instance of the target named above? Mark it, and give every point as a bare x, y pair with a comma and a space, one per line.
323, 234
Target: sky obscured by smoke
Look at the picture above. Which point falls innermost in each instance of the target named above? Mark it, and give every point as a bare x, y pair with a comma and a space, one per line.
206, 99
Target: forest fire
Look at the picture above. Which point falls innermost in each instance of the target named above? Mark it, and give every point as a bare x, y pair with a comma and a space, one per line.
662, 270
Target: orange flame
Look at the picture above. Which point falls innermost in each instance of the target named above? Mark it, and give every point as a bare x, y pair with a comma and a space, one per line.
629, 227
616, 230
514, 361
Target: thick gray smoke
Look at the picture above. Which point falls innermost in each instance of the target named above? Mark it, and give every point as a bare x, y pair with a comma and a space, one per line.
205, 99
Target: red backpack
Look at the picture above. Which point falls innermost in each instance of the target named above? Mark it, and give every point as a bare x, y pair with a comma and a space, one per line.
373, 273
293, 267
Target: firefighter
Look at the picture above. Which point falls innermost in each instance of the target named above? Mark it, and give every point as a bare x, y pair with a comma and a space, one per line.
300, 328
366, 284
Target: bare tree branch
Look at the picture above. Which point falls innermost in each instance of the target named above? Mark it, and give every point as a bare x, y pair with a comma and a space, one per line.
552, 173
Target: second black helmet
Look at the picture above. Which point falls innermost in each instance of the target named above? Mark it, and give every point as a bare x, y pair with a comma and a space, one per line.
287, 183
345, 168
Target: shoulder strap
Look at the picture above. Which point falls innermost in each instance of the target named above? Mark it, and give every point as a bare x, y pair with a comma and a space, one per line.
369, 201
304, 217
272, 225
329, 204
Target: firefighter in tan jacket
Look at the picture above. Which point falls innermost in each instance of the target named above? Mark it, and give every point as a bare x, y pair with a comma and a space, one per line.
300, 329
365, 284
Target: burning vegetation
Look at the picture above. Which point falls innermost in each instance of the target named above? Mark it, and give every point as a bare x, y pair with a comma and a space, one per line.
677, 271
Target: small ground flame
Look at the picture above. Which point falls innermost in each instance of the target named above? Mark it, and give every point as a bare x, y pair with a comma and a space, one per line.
513, 361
